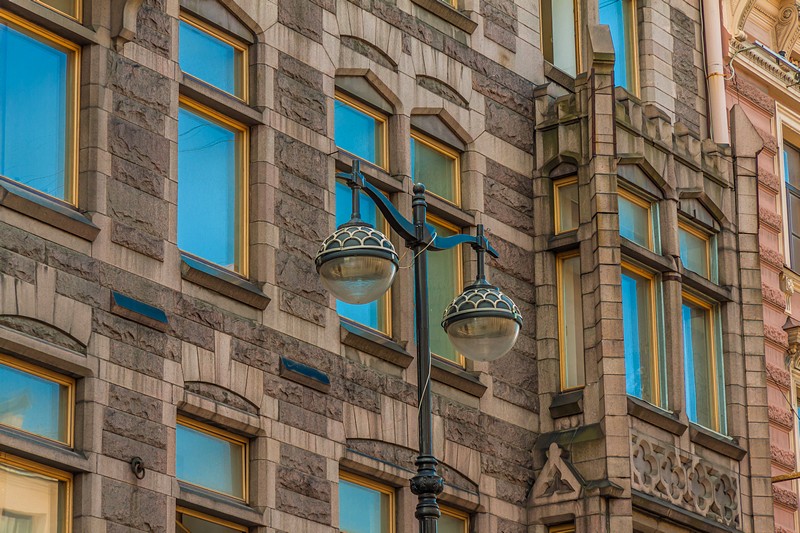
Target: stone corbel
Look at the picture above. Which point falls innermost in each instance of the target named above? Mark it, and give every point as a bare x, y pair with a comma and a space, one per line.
787, 27
792, 329
124, 14
787, 287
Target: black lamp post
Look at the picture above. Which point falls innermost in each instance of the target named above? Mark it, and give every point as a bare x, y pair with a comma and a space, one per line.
357, 263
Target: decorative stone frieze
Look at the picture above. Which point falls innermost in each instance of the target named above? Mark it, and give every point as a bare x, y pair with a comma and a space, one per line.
685, 480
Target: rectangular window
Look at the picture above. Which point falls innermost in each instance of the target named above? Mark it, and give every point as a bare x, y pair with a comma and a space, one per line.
212, 187
559, 20
360, 130
636, 220
444, 284
791, 171
71, 8
38, 108
570, 321
375, 315
36, 400
643, 363
702, 363
453, 521
211, 458
189, 521
698, 251
365, 506
567, 208
33, 498
213, 57
436, 166
620, 15
562, 528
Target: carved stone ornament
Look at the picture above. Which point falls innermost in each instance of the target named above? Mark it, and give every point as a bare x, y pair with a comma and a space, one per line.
124, 15
559, 480
792, 329
787, 27
685, 480
787, 283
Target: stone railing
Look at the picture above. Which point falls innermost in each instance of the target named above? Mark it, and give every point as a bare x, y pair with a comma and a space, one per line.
685, 480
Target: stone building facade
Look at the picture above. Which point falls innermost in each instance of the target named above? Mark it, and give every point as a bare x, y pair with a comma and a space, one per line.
154, 359
766, 90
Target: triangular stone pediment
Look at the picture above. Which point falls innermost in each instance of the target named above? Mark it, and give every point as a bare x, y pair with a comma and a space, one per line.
558, 481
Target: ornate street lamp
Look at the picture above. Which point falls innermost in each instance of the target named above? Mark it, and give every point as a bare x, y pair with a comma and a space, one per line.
357, 263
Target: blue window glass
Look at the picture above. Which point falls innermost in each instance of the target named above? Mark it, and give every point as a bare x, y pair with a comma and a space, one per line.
207, 56
373, 314
364, 508
619, 16
702, 367
37, 111
209, 188
33, 402
358, 131
210, 460
638, 324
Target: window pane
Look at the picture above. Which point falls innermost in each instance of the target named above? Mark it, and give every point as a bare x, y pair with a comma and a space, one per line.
35, 112
558, 34
68, 7
435, 169
209, 461
791, 165
208, 172
568, 212
358, 133
571, 311
372, 314
190, 523
694, 252
34, 404
362, 509
452, 524
211, 59
634, 222
443, 276
702, 385
794, 242
617, 14
637, 325
31, 501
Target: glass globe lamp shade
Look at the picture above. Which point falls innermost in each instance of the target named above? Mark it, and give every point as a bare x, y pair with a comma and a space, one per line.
357, 263
482, 323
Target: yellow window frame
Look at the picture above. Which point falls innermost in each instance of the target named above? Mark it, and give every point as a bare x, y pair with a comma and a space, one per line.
448, 152
78, 9
459, 280
562, 528
379, 117
237, 45
54, 377
557, 186
546, 31
208, 518
242, 216
73, 52
560, 303
645, 204
655, 374
459, 515
228, 437
632, 40
705, 237
49, 472
376, 486
714, 357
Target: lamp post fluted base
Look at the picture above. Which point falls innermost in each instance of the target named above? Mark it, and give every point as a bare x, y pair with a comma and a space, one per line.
427, 484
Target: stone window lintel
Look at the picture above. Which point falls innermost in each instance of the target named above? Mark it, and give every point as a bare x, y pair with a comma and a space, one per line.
218, 505
52, 20
459, 19
222, 281
705, 287
43, 451
374, 343
721, 444
219, 101
456, 377
656, 416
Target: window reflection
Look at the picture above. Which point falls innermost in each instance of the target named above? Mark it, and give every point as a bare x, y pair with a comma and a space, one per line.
34, 499
791, 171
695, 252
207, 56
571, 322
634, 221
359, 131
620, 17
559, 19
638, 324
444, 284
210, 460
436, 167
210, 188
364, 507
702, 367
567, 208
36, 110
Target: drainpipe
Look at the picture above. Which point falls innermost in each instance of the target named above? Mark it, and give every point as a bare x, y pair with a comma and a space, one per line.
715, 77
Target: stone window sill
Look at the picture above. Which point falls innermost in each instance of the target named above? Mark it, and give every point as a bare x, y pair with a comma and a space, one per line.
46, 209
375, 174
374, 343
43, 451
220, 506
449, 14
568, 403
52, 20
223, 282
656, 416
219, 100
556, 75
657, 262
714, 441
449, 211
563, 242
704, 286
456, 377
